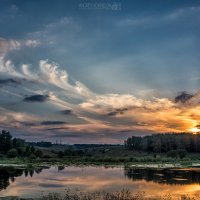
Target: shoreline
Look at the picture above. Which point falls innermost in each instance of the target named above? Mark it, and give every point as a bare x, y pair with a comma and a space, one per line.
89, 164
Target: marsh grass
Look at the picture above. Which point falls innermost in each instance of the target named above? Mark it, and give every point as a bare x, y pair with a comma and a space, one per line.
121, 195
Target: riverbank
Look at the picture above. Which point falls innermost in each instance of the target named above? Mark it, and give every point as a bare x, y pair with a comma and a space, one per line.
101, 156
35, 164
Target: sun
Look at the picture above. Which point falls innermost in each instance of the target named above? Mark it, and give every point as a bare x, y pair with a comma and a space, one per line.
195, 130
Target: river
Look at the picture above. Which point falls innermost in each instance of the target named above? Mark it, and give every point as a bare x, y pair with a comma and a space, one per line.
154, 182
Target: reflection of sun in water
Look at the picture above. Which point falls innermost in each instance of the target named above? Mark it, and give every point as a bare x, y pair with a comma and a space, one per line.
195, 130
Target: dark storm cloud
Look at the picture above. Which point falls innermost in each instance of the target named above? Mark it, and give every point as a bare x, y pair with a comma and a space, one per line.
66, 112
117, 111
29, 123
36, 98
45, 123
57, 128
69, 135
53, 123
183, 97
9, 80
47, 185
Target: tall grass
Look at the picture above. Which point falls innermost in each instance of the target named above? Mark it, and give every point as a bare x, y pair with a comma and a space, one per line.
121, 195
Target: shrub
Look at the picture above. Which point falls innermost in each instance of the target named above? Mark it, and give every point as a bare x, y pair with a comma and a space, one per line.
46, 156
181, 153
12, 153
38, 153
21, 150
61, 154
32, 156
172, 153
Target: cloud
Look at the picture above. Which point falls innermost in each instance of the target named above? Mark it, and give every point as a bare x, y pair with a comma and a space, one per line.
102, 103
183, 97
31, 43
173, 16
66, 112
56, 128
119, 111
46, 123
157, 115
189, 100
13, 119
9, 80
51, 73
47, 73
39, 124
8, 45
36, 98
69, 135
48, 34
92, 113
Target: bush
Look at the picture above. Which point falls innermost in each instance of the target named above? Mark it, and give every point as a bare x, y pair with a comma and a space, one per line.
181, 153
61, 154
172, 153
46, 156
32, 156
21, 150
38, 153
12, 153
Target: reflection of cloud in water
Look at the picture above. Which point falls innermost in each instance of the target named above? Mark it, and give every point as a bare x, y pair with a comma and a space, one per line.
47, 185
104, 179
164, 176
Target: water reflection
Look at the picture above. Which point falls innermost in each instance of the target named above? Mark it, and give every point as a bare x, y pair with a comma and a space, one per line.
9, 174
34, 183
165, 176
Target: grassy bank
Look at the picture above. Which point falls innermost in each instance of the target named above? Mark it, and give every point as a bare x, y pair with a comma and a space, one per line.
18, 152
144, 162
109, 155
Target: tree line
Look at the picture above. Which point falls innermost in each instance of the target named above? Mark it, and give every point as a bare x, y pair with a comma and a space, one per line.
13, 147
16, 147
162, 143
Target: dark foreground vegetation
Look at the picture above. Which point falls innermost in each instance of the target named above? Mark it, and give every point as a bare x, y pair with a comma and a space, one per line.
181, 148
121, 195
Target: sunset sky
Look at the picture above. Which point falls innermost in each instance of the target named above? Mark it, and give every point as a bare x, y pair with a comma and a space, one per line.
90, 71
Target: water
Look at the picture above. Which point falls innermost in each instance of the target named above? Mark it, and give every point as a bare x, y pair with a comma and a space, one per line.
24, 183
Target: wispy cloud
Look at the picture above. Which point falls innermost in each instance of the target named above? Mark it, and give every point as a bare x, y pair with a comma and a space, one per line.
173, 16
9, 80
92, 112
10, 45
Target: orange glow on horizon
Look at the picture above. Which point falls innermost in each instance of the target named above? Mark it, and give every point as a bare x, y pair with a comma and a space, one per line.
195, 130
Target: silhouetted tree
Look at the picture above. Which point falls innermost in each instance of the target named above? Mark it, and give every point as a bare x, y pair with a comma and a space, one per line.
159, 143
5, 141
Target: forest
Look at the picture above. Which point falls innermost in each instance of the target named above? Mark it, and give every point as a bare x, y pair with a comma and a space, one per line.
163, 143
13, 147
176, 145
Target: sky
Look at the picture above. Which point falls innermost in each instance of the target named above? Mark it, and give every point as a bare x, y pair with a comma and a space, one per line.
91, 71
